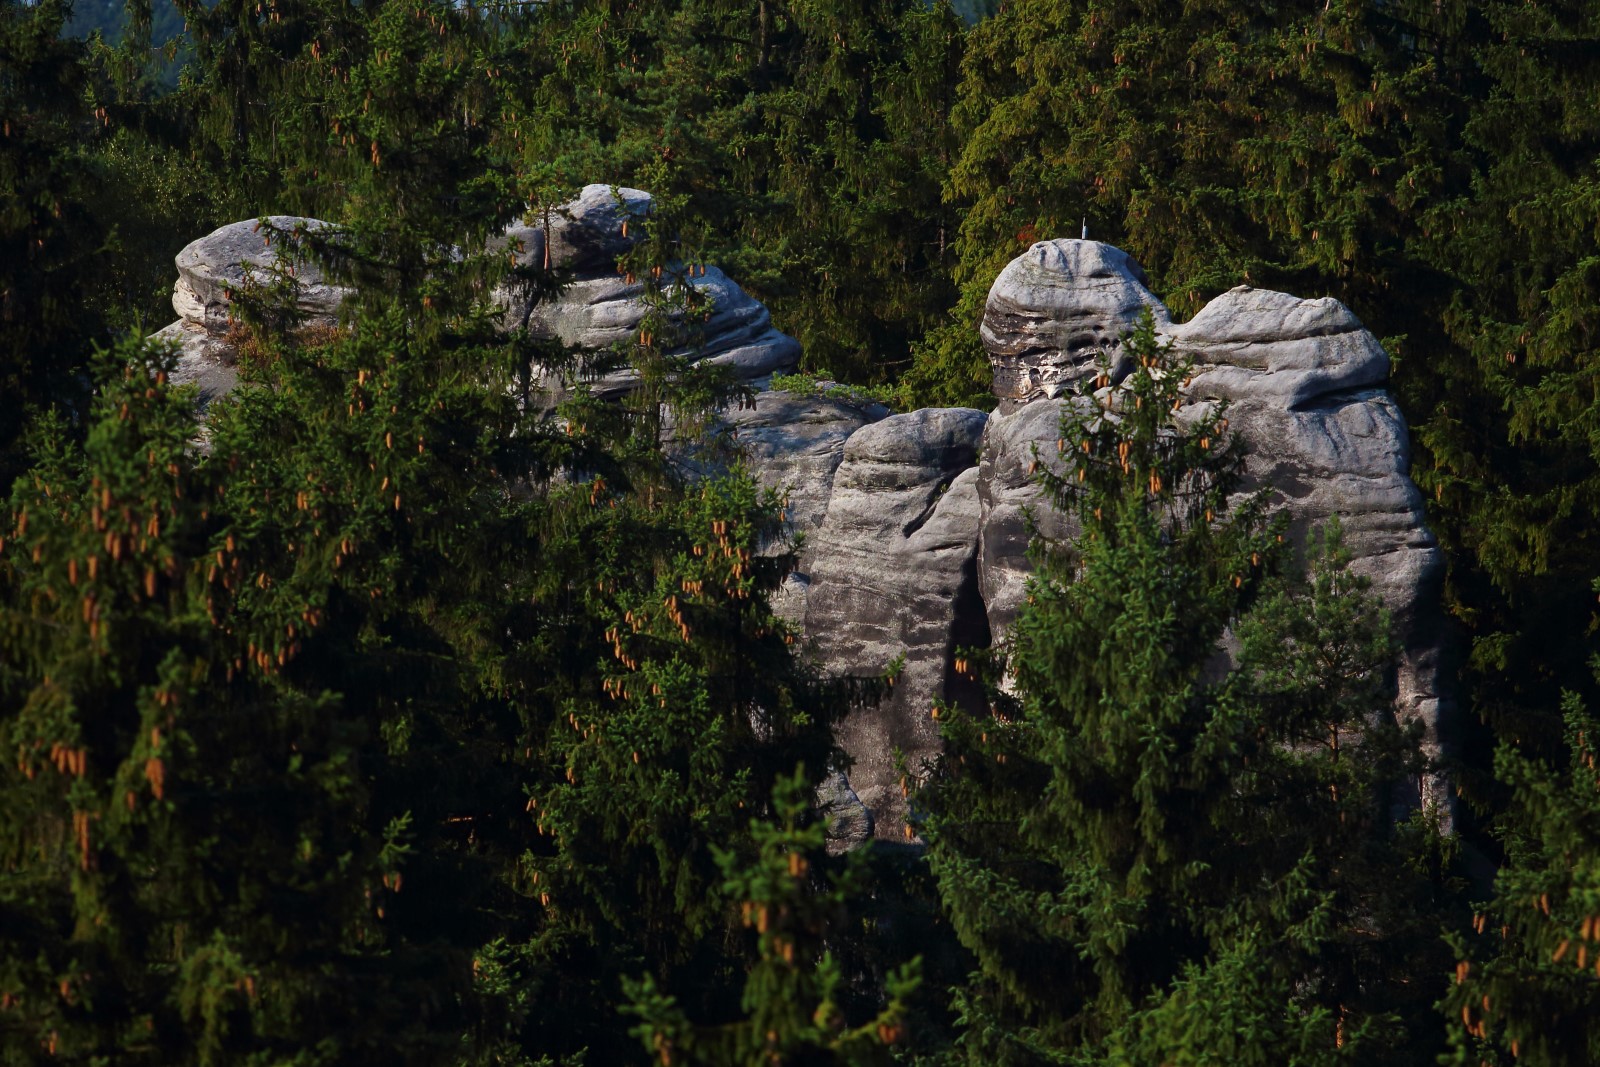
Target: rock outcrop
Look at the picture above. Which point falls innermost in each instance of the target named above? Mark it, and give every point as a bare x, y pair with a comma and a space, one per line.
596, 310
600, 308
1304, 383
915, 527
215, 269
1054, 311
1303, 380
893, 574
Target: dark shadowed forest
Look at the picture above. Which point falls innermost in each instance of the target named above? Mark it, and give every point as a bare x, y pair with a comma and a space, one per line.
399, 709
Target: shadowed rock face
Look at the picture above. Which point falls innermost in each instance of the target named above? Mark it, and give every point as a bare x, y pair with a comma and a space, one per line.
584, 235
893, 573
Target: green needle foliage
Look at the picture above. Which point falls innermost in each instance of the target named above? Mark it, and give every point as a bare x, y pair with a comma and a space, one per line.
1527, 986
795, 996
385, 716
1157, 856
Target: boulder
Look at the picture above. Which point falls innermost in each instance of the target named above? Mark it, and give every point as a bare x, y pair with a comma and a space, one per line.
893, 573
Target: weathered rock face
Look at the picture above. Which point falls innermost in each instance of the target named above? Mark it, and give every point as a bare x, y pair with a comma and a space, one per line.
213, 269
1010, 504
595, 313
585, 235
794, 443
1054, 310
601, 308
598, 309
893, 573
1303, 380
913, 544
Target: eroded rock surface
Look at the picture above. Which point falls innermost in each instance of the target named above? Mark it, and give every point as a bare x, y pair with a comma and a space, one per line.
1054, 310
913, 545
601, 308
1303, 380
215, 269
598, 309
894, 573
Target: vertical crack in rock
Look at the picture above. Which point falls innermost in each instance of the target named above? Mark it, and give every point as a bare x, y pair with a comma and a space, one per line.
878, 592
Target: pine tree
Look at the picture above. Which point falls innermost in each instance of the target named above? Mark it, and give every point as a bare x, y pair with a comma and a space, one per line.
1155, 857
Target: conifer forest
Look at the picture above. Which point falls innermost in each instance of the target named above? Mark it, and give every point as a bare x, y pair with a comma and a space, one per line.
443, 687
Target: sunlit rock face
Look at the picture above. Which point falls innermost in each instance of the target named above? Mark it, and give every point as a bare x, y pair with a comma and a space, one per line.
596, 310
1057, 309
217, 269
1304, 384
914, 528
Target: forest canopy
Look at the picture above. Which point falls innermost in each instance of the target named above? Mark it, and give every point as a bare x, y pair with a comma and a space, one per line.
406, 714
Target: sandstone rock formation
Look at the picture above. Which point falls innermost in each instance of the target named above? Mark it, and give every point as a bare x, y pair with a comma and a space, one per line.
915, 527
213, 270
1054, 310
600, 308
894, 574
1303, 380
794, 444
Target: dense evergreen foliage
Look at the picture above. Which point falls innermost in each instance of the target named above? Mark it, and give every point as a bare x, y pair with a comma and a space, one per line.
1155, 864
403, 717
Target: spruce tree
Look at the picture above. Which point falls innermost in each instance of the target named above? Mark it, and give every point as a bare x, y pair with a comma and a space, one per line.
1154, 855
1527, 984
1220, 145
50, 239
